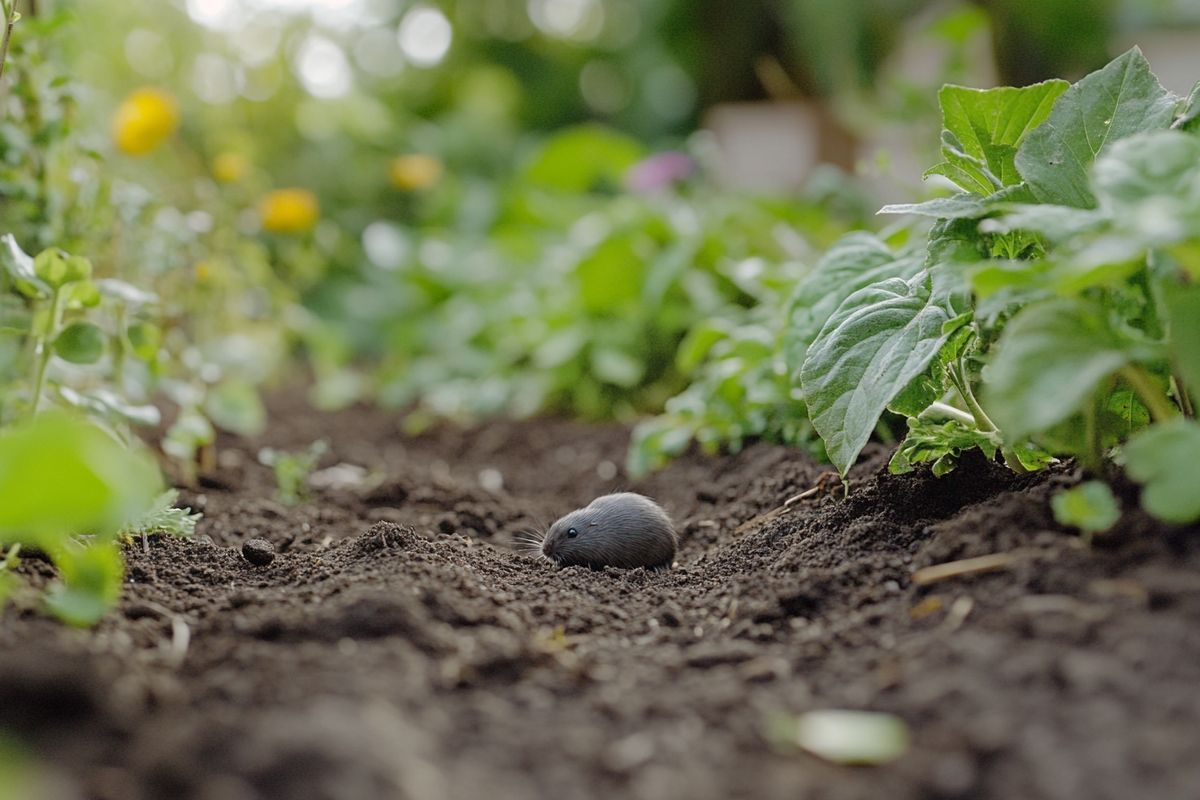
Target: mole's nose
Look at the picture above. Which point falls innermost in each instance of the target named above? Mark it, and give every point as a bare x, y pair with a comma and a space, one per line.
547, 547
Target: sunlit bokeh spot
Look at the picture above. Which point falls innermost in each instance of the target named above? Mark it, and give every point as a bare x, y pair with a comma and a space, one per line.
568, 19
215, 79
377, 53
425, 36
385, 244
148, 53
322, 68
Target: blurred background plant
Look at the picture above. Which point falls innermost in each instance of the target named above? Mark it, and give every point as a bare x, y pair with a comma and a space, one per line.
460, 208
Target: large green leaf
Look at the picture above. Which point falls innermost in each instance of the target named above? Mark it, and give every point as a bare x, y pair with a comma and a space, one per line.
1163, 458
982, 129
1148, 166
879, 339
1112, 103
60, 475
855, 261
582, 159
1049, 361
964, 205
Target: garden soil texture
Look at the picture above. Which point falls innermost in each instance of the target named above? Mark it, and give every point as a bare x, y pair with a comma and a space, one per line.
400, 644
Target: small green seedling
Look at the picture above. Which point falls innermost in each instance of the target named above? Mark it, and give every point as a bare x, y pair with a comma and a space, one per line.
69, 488
292, 470
1090, 507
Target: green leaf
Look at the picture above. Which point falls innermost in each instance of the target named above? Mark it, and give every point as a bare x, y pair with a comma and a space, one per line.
583, 159
982, 129
1163, 459
1189, 119
1090, 506
1117, 101
699, 341
616, 367
236, 407
127, 293
963, 205
144, 338
1148, 166
1056, 223
853, 262
83, 294
19, 266
610, 277
50, 265
870, 349
105, 403
1182, 306
940, 443
80, 343
61, 475
852, 737
190, 431
91, 582
164, 517
1049, 360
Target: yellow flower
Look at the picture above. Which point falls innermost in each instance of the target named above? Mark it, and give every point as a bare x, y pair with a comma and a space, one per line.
230, 167
144, 120
288, 211
415, 171
204, 271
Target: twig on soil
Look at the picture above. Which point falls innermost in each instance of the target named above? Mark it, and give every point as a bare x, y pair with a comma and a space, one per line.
960, 609
822, 485
967, 566
791, 501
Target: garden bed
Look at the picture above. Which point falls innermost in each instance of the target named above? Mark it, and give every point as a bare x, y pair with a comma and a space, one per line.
399, 646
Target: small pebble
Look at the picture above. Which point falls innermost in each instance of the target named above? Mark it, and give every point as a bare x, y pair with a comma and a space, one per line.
258, 552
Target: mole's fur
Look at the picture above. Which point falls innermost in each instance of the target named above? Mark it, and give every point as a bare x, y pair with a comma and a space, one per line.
617, 530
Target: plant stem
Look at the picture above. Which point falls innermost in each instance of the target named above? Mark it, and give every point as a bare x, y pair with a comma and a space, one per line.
1158, 404
43, 351
1181, 394
10, 18
958, 375
940, 409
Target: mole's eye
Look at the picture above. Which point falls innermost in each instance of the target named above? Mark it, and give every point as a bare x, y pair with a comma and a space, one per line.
572, 533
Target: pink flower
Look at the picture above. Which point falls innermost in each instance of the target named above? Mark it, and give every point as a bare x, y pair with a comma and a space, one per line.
659, 172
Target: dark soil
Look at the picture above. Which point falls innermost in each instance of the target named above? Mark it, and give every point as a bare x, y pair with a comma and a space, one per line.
398, 645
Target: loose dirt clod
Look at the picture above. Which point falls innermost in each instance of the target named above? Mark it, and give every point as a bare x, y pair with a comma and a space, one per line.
258, 552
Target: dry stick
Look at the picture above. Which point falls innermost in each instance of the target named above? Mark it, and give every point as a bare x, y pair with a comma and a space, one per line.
967, 566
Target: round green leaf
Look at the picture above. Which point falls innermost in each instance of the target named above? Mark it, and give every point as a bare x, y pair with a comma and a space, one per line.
83, 294
145, 338
51, 266
78, 268
1090, 506
80, 343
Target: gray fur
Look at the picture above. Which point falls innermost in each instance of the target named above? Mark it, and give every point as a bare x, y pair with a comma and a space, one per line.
617, 530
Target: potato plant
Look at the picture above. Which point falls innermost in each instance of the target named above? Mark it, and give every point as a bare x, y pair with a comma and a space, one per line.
1052, 308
